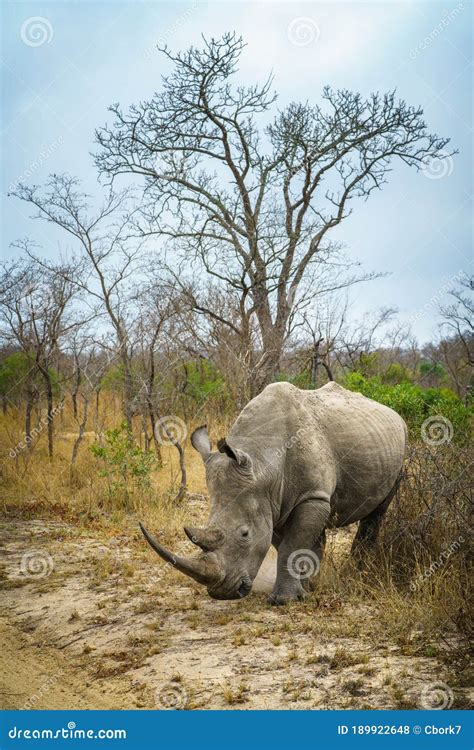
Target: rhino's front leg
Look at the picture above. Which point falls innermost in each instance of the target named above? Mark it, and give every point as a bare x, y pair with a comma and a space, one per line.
297, 559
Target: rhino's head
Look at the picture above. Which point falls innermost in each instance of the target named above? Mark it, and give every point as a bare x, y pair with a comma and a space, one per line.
239, 530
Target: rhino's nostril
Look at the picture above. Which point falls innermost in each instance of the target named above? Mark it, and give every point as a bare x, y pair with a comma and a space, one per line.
244, 588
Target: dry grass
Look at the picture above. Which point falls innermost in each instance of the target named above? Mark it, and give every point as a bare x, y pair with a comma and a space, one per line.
429, 514
34, 486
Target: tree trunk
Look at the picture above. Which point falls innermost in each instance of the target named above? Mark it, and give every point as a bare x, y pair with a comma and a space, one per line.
78, 440
77, 384
96, 410
50, 415
29, 408
314, 364
268, 365
182, 464
151, 410
128, 393
146, 437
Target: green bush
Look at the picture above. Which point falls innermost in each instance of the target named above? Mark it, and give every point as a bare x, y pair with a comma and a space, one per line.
113, 379
416, 404
433, 370
14, 372
204, 382
396, 373
126, 466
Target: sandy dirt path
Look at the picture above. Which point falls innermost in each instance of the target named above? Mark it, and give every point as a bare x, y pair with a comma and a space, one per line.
91, 622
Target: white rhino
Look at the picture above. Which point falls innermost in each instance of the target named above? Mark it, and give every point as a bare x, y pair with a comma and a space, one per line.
294, 463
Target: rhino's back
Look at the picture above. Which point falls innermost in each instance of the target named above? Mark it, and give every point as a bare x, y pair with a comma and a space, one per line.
368, 442
331, 439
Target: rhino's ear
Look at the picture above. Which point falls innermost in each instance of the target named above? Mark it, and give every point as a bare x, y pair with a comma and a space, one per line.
200, 441
243, 459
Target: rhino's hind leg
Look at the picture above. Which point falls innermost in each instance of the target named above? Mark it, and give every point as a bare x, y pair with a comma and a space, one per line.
298, 554
368, 531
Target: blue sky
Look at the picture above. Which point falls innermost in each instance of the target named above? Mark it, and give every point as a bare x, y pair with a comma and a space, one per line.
64, 63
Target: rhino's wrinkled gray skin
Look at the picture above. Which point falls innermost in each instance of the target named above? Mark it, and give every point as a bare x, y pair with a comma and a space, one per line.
295, 463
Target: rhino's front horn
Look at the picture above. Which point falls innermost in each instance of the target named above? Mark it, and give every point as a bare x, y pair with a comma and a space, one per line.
203, 569
208, 539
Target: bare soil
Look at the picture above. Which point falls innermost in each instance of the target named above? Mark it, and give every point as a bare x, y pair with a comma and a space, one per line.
90, 621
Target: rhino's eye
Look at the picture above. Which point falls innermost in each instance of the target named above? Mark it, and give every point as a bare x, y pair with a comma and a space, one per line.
244, 533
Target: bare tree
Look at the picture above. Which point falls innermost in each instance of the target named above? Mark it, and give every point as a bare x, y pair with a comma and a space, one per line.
359, 338
35, 309
88, 368
157, 302
322, 344
108, 257
459, 317
256, 207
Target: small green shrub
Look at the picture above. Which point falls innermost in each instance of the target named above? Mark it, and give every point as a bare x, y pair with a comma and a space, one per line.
18, 371
126, 466
396, 373
204, 381
416, 404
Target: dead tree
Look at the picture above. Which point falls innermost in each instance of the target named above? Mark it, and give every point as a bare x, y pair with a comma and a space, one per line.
253, 207
459, 317
107, 260
158, 303
89, 368
36, 311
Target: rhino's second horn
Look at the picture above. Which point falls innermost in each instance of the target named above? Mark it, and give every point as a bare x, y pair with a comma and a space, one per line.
207, 539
